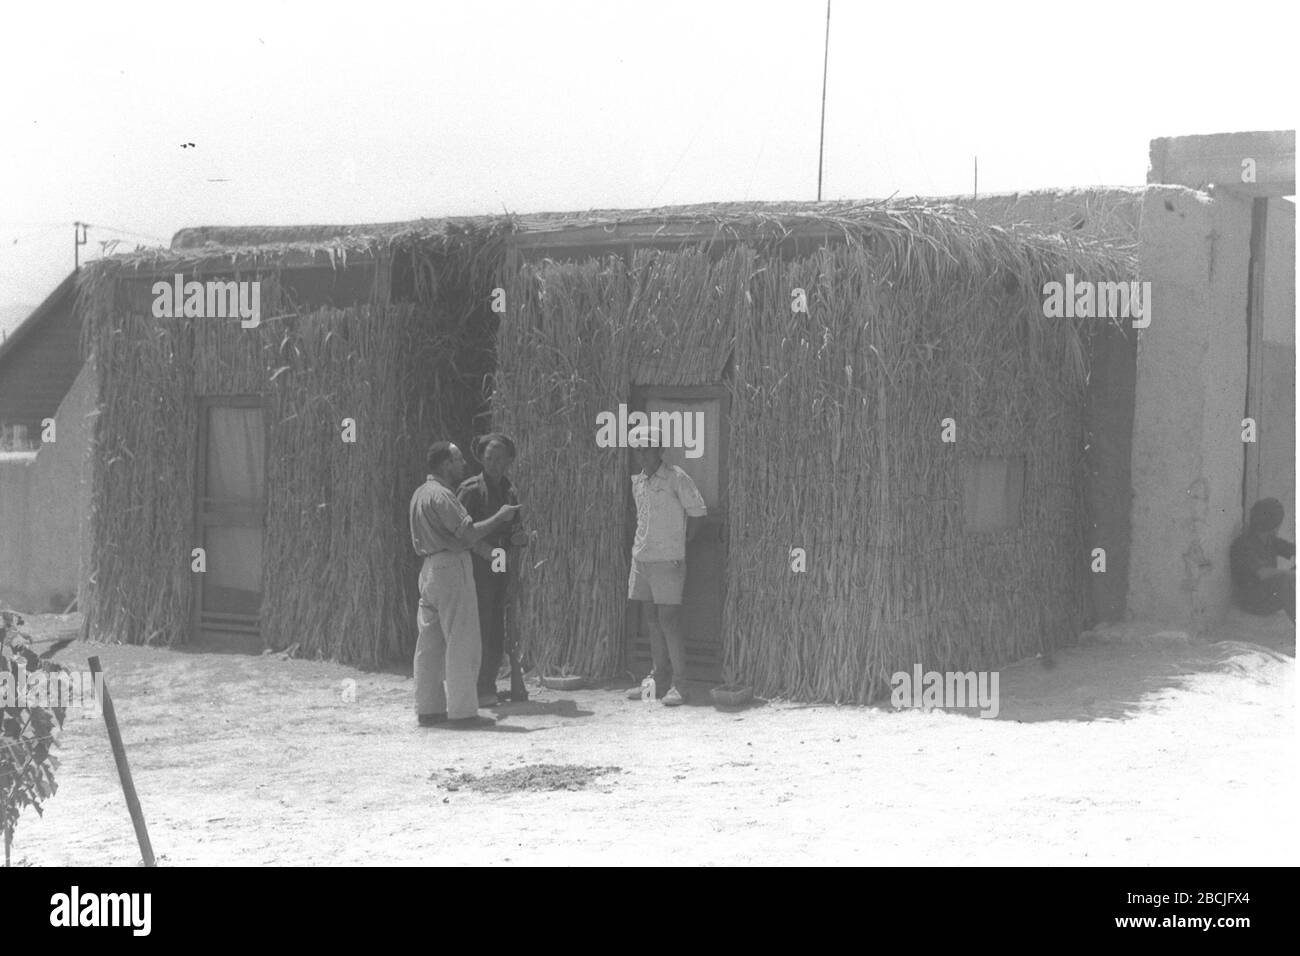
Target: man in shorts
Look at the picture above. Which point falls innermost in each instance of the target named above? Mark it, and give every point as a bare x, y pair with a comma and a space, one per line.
668, 512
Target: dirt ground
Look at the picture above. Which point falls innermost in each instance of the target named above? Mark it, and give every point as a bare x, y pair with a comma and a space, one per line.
1138, 749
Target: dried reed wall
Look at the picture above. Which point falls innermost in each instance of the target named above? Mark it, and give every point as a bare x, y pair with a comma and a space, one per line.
576, 338
835, 445
339, 576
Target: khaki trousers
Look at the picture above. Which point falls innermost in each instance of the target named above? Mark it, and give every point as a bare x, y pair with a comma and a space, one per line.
449, 647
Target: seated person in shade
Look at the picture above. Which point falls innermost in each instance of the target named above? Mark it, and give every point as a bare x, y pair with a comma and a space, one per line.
1258, 585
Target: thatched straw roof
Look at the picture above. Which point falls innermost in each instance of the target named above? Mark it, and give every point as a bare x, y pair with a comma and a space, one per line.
923, 308
987, 231
237, 237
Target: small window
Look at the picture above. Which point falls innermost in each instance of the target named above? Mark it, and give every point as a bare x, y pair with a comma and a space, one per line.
991, 492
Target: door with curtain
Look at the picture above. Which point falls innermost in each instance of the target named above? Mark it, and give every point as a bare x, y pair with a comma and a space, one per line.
230, 516
706, 553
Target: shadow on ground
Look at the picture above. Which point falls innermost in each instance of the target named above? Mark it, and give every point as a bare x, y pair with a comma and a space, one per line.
1115, 675
539, 708
1128, 667
696, 694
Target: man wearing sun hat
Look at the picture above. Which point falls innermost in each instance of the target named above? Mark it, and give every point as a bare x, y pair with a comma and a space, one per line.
668, 509
1259, 585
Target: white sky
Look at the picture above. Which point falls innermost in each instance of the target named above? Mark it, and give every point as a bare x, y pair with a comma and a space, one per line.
332, 112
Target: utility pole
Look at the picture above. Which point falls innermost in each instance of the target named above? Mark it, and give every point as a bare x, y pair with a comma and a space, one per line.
821, 139
78, 240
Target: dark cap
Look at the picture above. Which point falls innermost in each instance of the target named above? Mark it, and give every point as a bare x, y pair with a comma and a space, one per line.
481, 444
1266, 514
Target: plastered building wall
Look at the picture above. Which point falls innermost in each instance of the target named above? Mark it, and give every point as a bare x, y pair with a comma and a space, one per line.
45, 509
1112, 213
15, 536
1277, 416
1188, 458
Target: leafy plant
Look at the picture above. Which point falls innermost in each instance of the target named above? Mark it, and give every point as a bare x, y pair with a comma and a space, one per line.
28, 728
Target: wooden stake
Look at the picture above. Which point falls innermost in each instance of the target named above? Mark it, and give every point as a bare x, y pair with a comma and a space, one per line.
123, 769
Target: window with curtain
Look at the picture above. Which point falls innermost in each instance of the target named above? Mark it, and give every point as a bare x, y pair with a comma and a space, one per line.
234, 490
236, 454
992, 490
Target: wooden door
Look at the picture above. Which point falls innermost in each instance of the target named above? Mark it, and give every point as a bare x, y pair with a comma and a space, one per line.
230, 517
706, 553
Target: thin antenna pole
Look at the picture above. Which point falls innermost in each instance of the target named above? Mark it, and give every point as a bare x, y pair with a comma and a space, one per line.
977, 178
78, 240
821, 139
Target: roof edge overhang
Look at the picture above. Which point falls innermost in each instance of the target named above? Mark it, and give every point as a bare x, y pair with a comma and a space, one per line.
39, 314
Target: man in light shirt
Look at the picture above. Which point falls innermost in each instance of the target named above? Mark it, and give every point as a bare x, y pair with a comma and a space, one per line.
668, 511
448, 650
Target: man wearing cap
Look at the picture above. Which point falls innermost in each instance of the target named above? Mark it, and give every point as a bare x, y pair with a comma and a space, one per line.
1259, 585
668, 509
482, 496
448, 649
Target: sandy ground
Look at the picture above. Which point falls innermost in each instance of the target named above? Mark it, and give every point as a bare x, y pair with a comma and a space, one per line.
1143, 749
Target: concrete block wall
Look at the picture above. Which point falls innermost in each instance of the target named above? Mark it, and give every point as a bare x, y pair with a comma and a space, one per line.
1277, 418
45, 509
15, 531
1190, 398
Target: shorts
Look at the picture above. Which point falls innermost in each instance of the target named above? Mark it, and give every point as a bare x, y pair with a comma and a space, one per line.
658, 581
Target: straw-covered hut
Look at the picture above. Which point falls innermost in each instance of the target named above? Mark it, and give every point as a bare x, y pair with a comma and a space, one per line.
829, 351
896, 471
213, 433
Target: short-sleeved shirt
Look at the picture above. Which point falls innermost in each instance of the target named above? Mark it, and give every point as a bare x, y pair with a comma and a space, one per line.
664, 501
436, 516
482, 501
1248, 555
